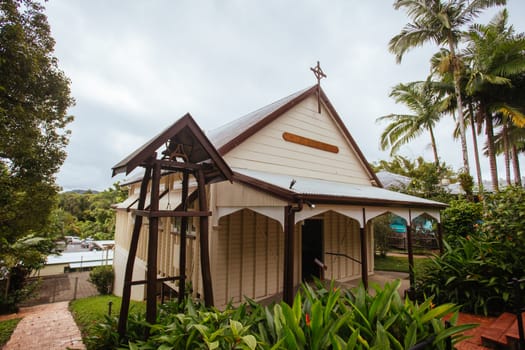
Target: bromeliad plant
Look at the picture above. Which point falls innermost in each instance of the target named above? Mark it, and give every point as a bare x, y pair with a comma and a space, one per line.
382, 320
321, 317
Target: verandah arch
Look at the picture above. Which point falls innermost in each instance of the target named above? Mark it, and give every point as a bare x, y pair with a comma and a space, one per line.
342, 247
409, 215
249, 257
348, 243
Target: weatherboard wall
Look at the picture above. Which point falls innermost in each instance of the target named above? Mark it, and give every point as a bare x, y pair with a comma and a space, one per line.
248, 257
268, 151
342, 236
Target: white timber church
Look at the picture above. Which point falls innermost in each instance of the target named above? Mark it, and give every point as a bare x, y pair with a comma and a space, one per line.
253, 208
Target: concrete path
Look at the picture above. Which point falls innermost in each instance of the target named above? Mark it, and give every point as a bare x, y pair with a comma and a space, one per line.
380, 278
48, 326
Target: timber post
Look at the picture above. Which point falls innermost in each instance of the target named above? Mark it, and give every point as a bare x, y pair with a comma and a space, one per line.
151, 296
289, 216
289, 251
204, 242
440, 238
183, 235
411, 290
128, 274
364, 252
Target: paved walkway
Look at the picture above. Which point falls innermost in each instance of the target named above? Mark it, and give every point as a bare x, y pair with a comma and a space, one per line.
49, 327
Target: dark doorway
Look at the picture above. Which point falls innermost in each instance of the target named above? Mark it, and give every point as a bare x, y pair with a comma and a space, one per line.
312, 248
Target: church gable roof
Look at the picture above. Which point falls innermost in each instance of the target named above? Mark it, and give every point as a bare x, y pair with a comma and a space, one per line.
228, 137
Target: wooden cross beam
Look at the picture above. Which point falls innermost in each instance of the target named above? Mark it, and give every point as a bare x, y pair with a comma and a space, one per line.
319, 74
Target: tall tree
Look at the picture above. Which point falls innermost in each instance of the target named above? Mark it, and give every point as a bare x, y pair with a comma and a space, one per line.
441, 67
496, 63
517, 137
34, 99
427, 106
507, 142
440, 22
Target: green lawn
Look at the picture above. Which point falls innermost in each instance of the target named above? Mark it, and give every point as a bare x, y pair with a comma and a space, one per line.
90, 311
396, 263
6, 329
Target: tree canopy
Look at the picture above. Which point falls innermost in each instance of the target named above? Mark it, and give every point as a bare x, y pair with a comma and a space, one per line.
440, 22
34, 100
427, 105
425, 177
479, 70
87, 214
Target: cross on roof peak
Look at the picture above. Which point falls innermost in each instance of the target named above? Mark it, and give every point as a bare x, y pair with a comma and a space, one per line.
319, 74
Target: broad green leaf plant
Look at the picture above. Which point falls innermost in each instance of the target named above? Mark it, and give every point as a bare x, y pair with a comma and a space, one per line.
322, 316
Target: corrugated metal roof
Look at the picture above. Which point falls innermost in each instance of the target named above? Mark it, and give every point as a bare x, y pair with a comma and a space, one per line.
389, 179
128, 202
311, 186
91, 264
77, 257
222, 135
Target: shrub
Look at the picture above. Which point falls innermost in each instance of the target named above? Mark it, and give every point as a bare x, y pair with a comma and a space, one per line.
321, 317
461, 218
505, 216
475, 270
20, 289
467, 274
102, 277
467, 183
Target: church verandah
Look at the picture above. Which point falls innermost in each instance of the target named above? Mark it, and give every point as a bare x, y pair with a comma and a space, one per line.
247, 246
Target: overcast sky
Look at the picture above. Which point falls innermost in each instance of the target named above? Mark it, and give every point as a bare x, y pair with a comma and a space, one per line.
137, 66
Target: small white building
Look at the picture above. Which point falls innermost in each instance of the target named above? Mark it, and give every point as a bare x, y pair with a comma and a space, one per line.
73, 261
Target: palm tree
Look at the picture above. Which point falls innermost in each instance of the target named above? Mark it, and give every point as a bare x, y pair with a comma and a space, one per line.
496, 60
428, 107
440, 22
441, 67
507, 142
517, 139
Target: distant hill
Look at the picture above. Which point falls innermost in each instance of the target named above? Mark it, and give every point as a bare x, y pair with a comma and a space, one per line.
82, 191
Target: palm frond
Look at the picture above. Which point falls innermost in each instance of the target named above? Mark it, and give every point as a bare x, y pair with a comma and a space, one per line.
515, 115
474, 8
